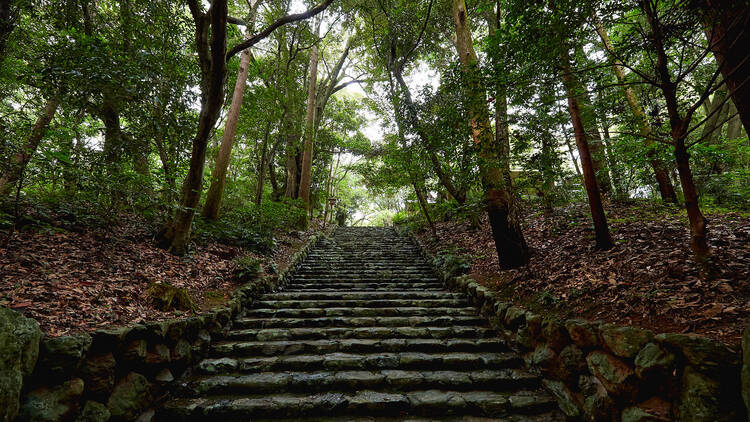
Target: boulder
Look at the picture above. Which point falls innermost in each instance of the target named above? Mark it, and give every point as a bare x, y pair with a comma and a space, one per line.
704, 399
98, 371
514, 317
700, 352
597, 404
60, 357
543, 359
615, 375
583, 333
19, 351
555, 333
93, 412
625, 341
565, 399
131, 396
654, 360
52, 404
572, 362
654, 409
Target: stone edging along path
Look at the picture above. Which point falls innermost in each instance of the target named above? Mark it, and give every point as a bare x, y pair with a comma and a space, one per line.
114, 374
604, 372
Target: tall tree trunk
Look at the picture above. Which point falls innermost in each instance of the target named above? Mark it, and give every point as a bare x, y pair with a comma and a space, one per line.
617, 182
717, 110
603, 238
572, 157
262, 165
113, 139
275, 190
219, 174
511, 247
734, 126
727, 23
23, 156
212, 58
679, 126
306, 174
502, 131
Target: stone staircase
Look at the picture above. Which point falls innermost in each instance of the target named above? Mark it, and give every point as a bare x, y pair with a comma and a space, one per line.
363, 331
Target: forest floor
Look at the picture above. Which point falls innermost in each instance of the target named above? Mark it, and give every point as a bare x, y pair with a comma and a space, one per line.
648, 279
97, 277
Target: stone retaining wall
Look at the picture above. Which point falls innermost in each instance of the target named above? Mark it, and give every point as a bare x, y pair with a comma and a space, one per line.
115, 374
608, 372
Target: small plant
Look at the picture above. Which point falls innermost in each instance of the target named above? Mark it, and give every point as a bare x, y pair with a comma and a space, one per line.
247, 268
548, 298
452, 263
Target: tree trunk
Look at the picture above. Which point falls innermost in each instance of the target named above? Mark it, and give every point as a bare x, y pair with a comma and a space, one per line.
502, 131
661, 172
511, 247
262, 165
734, 125
603, 238
698, 231
306, 174
716, 112
219, 174
113, 142
572, 157
23, 156
275, 190
212, 58
727, 23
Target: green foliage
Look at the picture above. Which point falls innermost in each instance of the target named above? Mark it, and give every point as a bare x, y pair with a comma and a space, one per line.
452, 263
247, 268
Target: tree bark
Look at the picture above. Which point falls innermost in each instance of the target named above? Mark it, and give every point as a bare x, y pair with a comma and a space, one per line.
219, 174
502, 131
734, 125
661, 172
511, 246
572, 157
23, 156
679, 126
306, 174
211, 55
262, 165
727, 23
603, 238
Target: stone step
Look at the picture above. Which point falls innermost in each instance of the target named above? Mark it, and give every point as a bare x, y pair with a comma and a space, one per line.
369, 403
414, 321
397, 345
387, 379
277, 334
392, 279
353, 361
362, 295
539, 417
361, 303
364, 285
357, 312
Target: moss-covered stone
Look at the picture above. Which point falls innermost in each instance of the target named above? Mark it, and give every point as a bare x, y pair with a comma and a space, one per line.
93, 412
616, 376
167, 297
514, 316
19, 351
699, 351
131, 396
625, 341
572, 362
654, 409
653, 360
597, 404
555, 333
583, 333
704, 399
565, 398
59, 357
98, 371
52, 404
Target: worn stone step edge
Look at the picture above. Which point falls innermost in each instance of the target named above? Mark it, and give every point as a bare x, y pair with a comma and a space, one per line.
441, 321
374, 332
359, 311
360, 303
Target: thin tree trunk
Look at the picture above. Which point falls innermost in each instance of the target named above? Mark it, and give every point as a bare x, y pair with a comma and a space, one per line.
661, 172
502, 131
23, 156
572, 156
275, 191
219, 174
603, 238
506, 230
306, 174
734, 125
262, 165
727, 23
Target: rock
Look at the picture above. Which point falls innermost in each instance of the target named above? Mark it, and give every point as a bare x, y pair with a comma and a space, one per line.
534, 324
703, 399
555, 333
60, 357
52, 404
93, 412
597, 405
176, 329
653, 360
625, 341
108, 339
164, 376
524, 338
131, 396
654, 409
514, 316
167, 297
19, 351
181, 352
543, 359
572, 362
500, 309
98, 372
699, 351
158, 354
135, 351
564, 397
583, 333
615, 375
